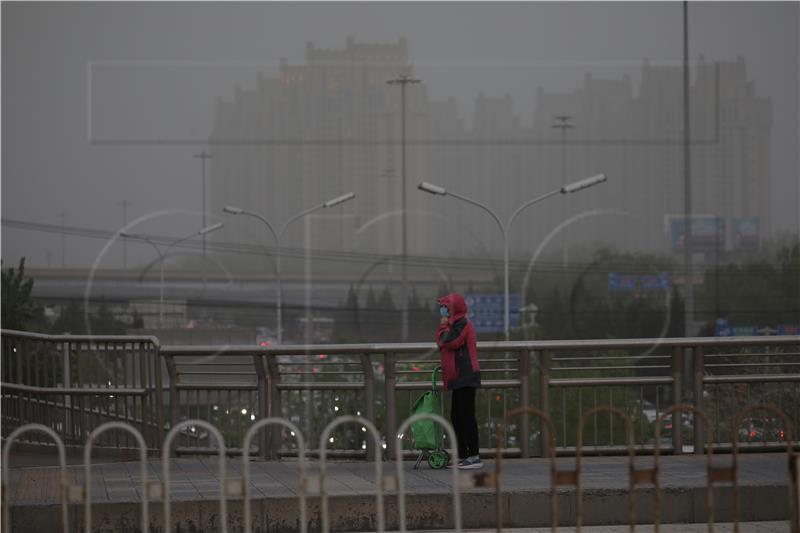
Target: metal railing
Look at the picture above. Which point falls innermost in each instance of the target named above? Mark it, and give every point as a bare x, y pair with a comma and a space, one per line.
240, 488
232, 387
74, 383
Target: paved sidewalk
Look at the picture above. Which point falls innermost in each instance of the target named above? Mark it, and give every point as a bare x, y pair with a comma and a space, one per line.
199, 478
744, 527
116, 495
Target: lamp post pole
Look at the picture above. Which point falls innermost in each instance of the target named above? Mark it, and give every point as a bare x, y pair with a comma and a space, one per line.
124, 204
402, 81
563, 124
233, 210
203, 156
687, 184
163, 255
505, 228
62, 215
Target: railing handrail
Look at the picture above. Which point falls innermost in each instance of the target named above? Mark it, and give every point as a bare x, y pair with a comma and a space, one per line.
302, 349
491, 346
83, 338
266, 390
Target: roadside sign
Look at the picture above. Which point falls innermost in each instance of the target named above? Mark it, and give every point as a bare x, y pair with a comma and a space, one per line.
485, 310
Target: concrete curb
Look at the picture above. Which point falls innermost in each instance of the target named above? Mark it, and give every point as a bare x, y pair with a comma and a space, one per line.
356, 513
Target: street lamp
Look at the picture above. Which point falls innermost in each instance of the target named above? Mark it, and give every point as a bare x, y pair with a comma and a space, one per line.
402, 81
504, 229
563, 124
203, 155
162, 256
233, 210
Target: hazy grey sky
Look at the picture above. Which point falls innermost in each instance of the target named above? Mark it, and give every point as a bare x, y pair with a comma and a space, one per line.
459, 49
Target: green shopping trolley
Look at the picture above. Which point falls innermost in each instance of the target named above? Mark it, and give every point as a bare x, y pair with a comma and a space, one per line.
427, 433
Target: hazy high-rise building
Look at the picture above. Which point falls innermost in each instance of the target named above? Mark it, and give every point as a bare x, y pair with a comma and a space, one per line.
637, 140
321, 128
332, 124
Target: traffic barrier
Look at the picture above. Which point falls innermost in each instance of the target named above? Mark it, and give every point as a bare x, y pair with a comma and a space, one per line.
323, 452
165, 458
81, 493
87, 462
555, 474
788, 436
62, 460
632, 475
710, 469
453, 451
301, 458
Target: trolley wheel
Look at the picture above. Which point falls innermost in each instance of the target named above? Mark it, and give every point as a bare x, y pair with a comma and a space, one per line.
437, 459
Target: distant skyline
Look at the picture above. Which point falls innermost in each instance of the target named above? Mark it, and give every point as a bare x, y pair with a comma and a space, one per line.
459, 49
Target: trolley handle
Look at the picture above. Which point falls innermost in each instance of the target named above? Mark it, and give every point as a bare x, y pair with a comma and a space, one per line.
433, 377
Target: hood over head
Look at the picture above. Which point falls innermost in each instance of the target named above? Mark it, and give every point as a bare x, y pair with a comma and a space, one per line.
455, 304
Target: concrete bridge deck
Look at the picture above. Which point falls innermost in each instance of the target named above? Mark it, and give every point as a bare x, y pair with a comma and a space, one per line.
195, 489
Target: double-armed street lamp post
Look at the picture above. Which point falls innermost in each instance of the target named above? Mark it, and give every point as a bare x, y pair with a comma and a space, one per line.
162, 255
233, 210
504, 228
402, 81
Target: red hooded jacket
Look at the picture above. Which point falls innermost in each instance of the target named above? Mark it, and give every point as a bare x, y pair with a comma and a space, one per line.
457, 346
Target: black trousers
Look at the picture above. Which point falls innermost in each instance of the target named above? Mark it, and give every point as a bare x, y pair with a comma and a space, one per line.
465, 425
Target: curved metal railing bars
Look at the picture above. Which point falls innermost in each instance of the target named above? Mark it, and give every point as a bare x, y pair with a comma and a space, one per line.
500, 435
223, 504
87, 462
401, 477
631, 462
62, 461
680, 408
301, 458
788, 436
323, 455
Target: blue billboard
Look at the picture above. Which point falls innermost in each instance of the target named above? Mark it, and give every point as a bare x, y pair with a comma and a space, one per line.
631, 282
708, 231
744, 233
485, 310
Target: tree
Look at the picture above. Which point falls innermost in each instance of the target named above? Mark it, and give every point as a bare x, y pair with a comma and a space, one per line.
71, 321
758, 293
372, 301
386, 302
17, 304
137, 320
353, 310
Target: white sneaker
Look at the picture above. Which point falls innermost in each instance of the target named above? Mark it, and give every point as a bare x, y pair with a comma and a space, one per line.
470, 463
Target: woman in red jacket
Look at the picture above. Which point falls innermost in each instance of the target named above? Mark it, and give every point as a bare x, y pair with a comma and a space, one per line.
456, 340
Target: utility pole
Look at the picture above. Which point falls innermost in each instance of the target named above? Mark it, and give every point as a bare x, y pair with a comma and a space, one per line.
687, 183
124, 204
564, 125
402, 81
62, 215
203, 156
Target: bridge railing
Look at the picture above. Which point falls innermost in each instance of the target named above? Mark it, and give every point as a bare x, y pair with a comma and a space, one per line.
309, 385
72, 384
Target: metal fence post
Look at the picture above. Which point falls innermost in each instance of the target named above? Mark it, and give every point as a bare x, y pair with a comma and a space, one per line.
524, 392
275, 408
677, 397
391, 403
263, 404
698, 362
67, 384
173, 395
369, 400
544, 398
159, 396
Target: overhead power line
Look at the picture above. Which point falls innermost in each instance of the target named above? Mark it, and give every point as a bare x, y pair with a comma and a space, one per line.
451, 263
